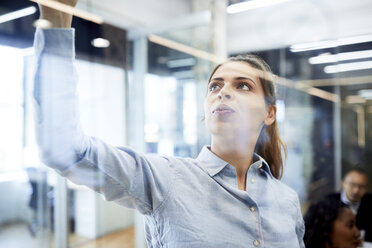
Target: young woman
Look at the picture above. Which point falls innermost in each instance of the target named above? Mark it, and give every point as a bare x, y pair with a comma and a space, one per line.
331, 224
229, 196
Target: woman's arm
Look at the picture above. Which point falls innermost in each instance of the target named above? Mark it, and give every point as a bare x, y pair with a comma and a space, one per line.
57, 18
121, 175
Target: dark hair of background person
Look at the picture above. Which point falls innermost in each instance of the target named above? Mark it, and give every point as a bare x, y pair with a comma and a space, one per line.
319, 221
269, 144
357, 168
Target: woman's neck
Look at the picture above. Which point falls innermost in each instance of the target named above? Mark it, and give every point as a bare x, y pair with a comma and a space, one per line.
238, 154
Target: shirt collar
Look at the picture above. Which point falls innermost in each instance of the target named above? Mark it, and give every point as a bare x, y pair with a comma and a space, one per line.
353, 206
214, 164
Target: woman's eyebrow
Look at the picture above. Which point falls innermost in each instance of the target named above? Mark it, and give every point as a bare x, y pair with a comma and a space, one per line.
237, 78
245, 78
217, 79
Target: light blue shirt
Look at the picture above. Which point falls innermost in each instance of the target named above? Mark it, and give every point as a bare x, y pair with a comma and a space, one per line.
186, 202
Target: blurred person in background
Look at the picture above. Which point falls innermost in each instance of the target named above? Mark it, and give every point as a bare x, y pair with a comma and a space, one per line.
229, 196
354, 195
329, 223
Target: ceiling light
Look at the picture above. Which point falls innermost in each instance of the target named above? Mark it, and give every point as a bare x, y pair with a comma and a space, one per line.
183, 74
253, 4
181, 62
348, 67
334, 58
100, 43
330, 43
42, 23
17, 14
366, 94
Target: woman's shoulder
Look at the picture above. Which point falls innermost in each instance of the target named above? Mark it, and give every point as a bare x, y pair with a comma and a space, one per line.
158, 159
287, 192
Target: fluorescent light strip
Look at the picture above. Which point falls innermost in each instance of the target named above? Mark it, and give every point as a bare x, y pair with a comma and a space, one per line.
348, 67
330, 43
17, 14
253, 4
70, 10
181, 63
366, 94
334, 58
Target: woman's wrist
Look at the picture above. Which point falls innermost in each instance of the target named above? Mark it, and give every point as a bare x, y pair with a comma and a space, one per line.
56, 18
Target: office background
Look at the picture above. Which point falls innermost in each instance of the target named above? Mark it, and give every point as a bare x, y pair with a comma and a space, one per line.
143, 68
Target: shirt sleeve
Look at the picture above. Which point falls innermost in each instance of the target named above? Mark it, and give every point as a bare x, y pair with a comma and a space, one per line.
120, 174
300, 224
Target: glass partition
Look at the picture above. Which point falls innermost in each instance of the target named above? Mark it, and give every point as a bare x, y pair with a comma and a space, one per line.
142, 77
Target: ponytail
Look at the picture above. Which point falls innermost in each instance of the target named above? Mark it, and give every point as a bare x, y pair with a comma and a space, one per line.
270, 146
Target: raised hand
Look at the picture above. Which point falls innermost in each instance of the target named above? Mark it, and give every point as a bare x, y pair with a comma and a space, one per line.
57, 18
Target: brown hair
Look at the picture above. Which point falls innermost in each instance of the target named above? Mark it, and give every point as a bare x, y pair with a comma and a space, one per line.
269, 144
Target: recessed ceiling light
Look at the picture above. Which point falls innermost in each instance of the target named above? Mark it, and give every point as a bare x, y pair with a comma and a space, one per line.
100, 43
42, 23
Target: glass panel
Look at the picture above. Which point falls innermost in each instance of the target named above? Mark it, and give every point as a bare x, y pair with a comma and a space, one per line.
25, 196
322, 57
176, 85
38, 208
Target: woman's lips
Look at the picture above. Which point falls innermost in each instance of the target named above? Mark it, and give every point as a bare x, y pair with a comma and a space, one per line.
223, 109
357, 244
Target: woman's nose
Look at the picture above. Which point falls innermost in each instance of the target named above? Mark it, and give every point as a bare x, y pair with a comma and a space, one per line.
224, 94
357, 232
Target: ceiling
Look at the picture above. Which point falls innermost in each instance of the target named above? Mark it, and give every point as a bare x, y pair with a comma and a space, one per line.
269, 31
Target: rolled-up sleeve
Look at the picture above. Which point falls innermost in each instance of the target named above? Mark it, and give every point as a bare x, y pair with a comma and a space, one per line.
120, 174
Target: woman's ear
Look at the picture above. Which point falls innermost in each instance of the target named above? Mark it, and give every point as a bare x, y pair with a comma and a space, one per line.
271, 115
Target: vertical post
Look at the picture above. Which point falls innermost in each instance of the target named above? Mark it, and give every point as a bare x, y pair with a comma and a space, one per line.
217, 41
337, 140
60, 213
43, 213
219, 28
136, 119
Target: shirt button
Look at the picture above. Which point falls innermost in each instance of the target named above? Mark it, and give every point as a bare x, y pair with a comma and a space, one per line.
253, 180
256, 243
260, 166
252, 209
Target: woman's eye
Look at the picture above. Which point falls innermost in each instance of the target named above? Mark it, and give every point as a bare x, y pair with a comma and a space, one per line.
214, 87
244, 86
350, 224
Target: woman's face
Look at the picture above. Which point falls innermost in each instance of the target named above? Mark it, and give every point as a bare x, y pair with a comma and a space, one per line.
235, 102
345, 233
